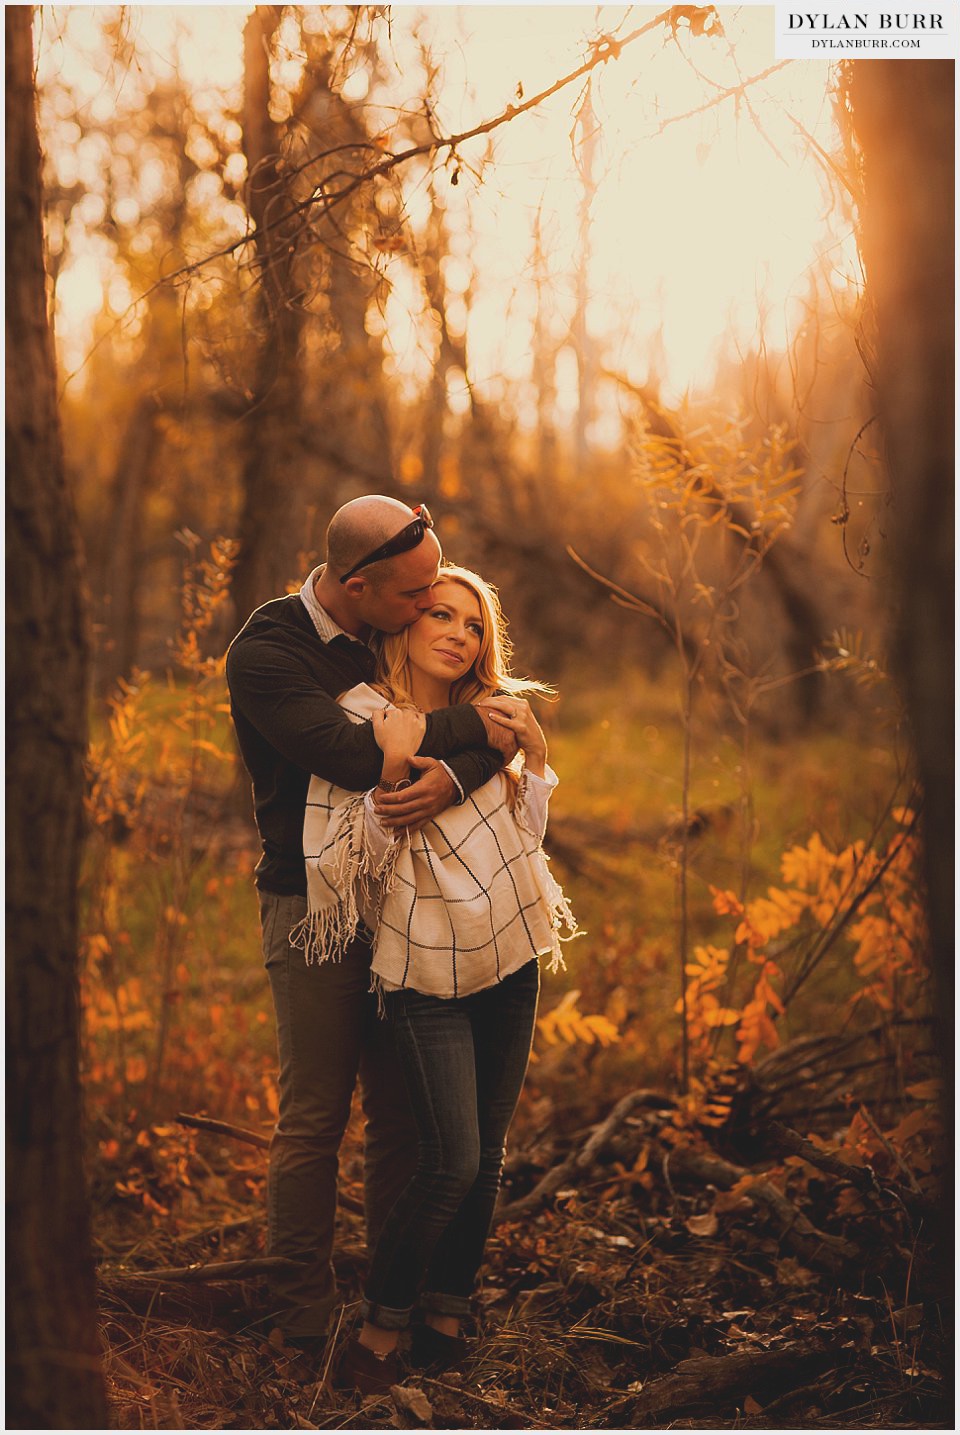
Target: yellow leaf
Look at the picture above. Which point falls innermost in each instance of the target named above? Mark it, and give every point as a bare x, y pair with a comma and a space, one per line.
721, 1016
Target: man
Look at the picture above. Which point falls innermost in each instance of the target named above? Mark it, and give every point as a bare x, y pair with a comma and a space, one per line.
285, 669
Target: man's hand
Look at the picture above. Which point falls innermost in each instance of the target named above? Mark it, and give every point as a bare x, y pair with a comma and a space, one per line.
499, 737
516, 716
417, 805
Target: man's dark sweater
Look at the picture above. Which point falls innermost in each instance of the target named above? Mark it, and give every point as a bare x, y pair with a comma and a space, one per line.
284, 681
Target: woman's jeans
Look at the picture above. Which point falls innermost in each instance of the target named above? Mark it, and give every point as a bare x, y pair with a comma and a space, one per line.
463, 1061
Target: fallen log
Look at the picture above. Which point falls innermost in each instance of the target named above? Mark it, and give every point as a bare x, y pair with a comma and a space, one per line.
584, 1156
707, 1382
815, 1248
205, 1271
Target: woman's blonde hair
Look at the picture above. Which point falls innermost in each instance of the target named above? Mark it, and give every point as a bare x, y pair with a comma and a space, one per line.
490, 673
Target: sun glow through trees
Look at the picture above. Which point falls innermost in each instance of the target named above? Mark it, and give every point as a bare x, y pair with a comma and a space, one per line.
701, 227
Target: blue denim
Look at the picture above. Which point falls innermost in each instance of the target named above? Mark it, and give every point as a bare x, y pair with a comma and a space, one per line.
463, 1062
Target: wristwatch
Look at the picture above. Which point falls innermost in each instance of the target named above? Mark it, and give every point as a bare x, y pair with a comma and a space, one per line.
383, 786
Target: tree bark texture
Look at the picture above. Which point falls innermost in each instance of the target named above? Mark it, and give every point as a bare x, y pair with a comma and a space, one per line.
54, 1376
317, 430
123, 564
903, 117
273, 514
346, 381
706, 1383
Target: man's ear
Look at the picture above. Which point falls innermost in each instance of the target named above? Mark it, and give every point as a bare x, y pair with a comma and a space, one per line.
356, 586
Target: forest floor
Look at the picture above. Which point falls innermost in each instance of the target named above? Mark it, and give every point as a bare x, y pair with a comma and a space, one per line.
649, 1282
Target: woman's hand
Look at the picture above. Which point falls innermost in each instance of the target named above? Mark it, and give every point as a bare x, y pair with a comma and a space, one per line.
516, 714
399, 732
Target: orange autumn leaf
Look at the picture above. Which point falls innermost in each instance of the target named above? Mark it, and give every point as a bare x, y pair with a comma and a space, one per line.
726, 903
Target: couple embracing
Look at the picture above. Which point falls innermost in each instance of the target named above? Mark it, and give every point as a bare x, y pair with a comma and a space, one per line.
400, 786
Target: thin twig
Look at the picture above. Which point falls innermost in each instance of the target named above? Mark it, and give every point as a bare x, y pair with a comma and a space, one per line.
459, 1390
224, 1128
321, 1383
890, 1150
732, 92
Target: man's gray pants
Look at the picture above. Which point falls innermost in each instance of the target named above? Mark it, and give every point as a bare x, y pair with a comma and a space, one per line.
328, 1034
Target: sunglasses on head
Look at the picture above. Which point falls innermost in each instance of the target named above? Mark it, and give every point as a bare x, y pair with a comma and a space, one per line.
401, 542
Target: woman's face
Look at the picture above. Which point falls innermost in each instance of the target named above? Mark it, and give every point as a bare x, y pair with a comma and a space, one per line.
445, 642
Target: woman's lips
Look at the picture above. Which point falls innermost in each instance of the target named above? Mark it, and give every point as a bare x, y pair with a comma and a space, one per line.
450, 657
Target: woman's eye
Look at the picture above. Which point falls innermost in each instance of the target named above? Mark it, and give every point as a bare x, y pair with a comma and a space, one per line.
476, 629
439, 613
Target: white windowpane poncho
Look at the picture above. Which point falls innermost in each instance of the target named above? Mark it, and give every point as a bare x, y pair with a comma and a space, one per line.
453, 908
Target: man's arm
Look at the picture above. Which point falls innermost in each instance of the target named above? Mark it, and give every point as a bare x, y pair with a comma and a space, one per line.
285, 703
434, 792
481, 752
273, 690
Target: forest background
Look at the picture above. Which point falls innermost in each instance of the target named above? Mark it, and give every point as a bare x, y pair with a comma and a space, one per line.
627, 341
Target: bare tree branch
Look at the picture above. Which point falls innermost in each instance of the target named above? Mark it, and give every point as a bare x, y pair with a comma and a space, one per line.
732, 92
602, 49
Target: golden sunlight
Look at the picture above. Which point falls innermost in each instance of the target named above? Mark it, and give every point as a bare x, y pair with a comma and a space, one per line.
694, 225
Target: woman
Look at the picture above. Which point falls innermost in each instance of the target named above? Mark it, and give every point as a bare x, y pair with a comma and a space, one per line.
459, 914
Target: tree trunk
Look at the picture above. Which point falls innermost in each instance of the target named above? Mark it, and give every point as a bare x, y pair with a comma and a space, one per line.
274, 511
350, 400
54, 1368
123, 564
903, 119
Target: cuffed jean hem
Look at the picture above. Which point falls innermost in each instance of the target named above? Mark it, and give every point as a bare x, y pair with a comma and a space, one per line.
383, 1316
439, 1304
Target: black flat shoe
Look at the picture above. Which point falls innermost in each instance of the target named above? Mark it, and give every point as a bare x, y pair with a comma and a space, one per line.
361, 1369
431, 1350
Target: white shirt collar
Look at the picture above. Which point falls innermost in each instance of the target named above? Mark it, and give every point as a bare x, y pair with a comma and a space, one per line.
326, 626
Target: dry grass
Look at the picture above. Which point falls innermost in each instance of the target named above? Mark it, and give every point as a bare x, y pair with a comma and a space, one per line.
582, 1308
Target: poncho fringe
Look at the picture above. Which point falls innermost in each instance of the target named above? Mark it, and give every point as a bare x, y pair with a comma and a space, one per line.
359, 886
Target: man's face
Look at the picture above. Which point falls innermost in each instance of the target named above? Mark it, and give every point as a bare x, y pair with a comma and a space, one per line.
406, 590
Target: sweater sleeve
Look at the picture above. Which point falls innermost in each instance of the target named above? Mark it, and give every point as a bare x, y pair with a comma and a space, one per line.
305, 724
278, 695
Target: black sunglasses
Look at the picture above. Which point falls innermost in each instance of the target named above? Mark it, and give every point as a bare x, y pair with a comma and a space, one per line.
401, 542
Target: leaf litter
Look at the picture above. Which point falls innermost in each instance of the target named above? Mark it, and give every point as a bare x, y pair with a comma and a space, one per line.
614, 1304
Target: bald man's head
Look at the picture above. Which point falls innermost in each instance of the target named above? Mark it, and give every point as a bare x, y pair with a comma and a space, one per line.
387, 595
360, 527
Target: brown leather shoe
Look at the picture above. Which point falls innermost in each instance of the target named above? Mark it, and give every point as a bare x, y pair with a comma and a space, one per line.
362, 1369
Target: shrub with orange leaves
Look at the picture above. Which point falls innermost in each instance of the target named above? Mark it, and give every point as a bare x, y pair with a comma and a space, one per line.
861, 900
